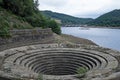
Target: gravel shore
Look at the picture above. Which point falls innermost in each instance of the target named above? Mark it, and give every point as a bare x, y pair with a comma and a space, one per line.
64, 38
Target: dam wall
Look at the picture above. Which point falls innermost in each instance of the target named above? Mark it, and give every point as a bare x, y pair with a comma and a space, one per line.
26, 37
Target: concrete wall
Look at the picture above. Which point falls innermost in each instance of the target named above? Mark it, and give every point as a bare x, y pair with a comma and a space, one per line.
27, 37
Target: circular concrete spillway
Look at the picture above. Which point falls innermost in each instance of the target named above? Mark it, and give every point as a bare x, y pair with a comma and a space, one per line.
58, 61
61, 61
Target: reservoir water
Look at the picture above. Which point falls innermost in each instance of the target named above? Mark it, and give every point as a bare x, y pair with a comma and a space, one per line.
104, 37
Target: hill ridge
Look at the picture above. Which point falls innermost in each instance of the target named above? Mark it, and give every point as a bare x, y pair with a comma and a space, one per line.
66, 19
110, 19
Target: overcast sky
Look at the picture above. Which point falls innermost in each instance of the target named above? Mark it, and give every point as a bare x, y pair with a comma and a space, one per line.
80, 8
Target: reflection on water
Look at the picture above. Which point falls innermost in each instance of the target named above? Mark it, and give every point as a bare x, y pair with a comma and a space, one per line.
104, 37
84, 28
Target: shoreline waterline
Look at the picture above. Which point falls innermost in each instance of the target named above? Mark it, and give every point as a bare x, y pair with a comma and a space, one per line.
104, 37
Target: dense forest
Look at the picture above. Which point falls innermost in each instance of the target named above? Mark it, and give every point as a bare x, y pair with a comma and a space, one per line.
110, 19
66, 19
23, 14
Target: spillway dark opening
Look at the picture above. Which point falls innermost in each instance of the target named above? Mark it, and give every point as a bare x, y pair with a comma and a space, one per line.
59, 68
61, 64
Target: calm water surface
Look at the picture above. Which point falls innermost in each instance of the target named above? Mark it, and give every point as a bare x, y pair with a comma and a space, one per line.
109, 38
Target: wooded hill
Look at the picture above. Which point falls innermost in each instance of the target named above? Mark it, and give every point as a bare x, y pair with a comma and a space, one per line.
66, 19
110, 19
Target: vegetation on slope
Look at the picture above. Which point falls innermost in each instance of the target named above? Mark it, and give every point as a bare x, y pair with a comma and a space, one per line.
10, 21
66, 19
110, 19
23, 14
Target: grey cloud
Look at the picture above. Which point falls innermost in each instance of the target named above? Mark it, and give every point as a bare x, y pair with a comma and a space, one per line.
91, 8
53, 3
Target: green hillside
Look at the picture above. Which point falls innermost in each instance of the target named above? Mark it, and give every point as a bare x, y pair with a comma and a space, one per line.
110, 19
66, 19
23, 14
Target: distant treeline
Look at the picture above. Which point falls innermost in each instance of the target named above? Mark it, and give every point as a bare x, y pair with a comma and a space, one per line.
110, 19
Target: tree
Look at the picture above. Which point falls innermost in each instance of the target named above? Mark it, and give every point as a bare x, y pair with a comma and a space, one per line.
20, 7
54, 26
36, 5
36, 20
28, 11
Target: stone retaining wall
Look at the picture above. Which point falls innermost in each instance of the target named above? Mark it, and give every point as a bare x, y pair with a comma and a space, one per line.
27, 37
